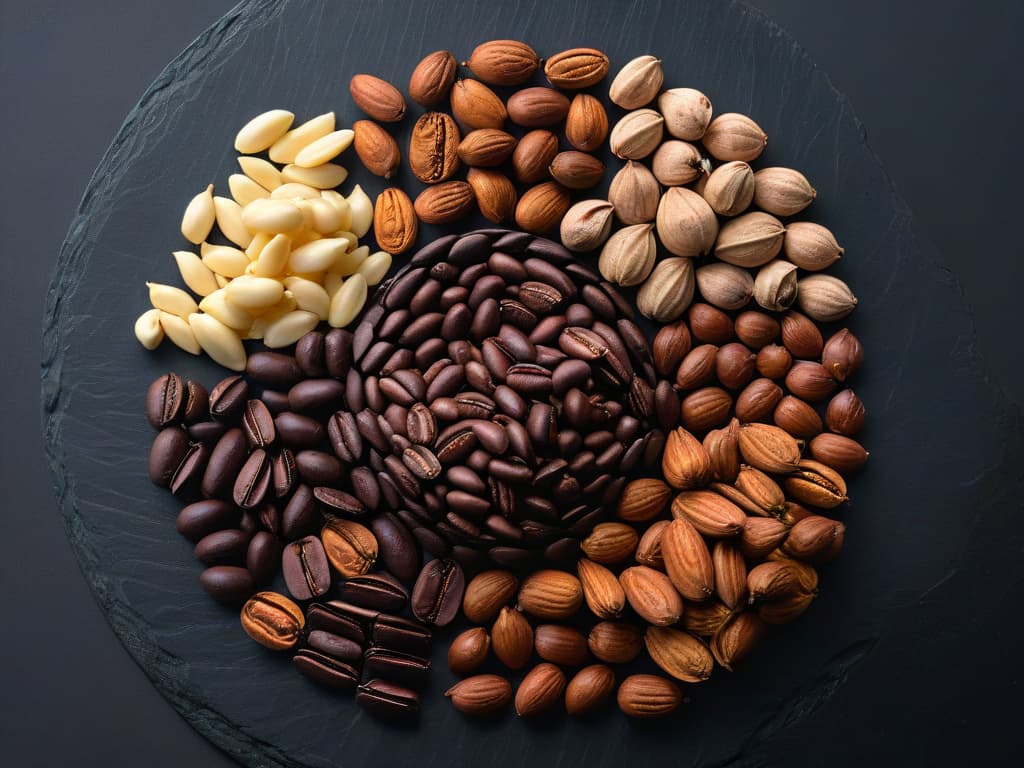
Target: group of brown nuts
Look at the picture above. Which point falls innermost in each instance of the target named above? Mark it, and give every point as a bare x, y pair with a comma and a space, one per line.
726, 540
474, 135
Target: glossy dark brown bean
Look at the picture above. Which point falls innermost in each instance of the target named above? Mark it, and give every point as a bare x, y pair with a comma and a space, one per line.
276, 402
228, 398
228, 584
197, 402
188, 476
327, 671
226, 547
226, 461
208, 432
337, 618
258, 424
399, 667
263, 557
529, 380
437, 593
398, 551
300, 517
380, 591
318, 468
338, 352
297, 431
337, 502
253, 481
311, 355
335, 646
207, 516
273, 369
166, 454
316, 396
389, 701
306, 571
165, 401
376, 356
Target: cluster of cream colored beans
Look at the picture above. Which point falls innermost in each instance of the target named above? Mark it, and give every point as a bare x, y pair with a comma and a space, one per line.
294, 258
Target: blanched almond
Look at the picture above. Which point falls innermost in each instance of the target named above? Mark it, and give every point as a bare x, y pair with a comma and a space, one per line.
217, 305
244, 189
179, 332
199, 216
317, 255
271, 216
375, 267
254, 293
259, 170
324, 176
230, 222
225, 260
263, 130
218, 341
361, 207
285, 149
325, 148
197, 276
289, 328
171, 299
347, 302
309, 296
148, 330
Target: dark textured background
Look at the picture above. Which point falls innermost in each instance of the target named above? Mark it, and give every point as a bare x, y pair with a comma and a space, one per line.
938, 96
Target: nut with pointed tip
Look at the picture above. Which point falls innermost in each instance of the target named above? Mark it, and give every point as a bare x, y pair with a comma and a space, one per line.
842, 355
637, 83
750, 240
769, 448
816, 484
586, 125
679, 654
512, 638
825, 298
468, 651
668, 290
815, 539
602, 591
644, 696
610, 543
586, 225
589, 689
843, 454
540, 690
845, 413
709, 512
377, 98
734, 641
551, 594
481, 695
651, 595
487, 593
811, 246
685, 463
732, 136
782, 191
432, 79
576, 68
503, 62
688, 561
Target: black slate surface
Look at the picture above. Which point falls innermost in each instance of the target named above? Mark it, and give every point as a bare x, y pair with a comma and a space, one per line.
910, 516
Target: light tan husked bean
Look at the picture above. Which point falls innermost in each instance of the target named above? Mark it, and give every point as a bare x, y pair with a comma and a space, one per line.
179, 332
375, 267
332, 284
222, 281
293, 190
260, 324
225, 260
218, 306
170, 299
325, 148
196, 275
273, 257
272, 216
148, 330
263, 173
317, 255
325, 176
309, 296
347, 302
290, 328
254, 294
199, 216
218, 341
244, 189
229, 220
259, 242
341, 204
263, 130
348, 263
361, 207
288, 146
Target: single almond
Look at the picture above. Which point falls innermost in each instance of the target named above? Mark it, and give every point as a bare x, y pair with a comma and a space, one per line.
648, 549
732, 136
475, 105
486, 147
730, 574
610, 543
377, 149
643, 499
774, 580
687, 560
542, 207
481, 695
432, 79
816, 484
601, 590
760, 535
551, 594
637, 134
797, 417
722, 446
377, 98
706, 618
394, 221
768, 448
685, 463
706, 408
815, 539
651, 595
762, 490
734, 641
540, 690
644, 696
576, 170
487, 593
537, 107
495, 194
503, 62
444, 203
590, 688
576, 68
468, 651
709, 512
586, 125
560, 645
532, 156
512, 638
615, 642
679, 654
433, 148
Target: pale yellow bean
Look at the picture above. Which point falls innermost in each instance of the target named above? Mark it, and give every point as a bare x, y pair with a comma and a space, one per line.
293, 190
325, 217
260, 324
148, 330
375, 267
263, 130
199, 216
289, 328
225, 260
272, 216
313, 277
274, 257
362, 211
325, 148
309, 296
332, 284
254, 293
218, 341
285, 149
229, 219
244, 189
222, 281
348, 263
326, 176
179, 332
196, 275
317, 255
347, 302
259, 242
218, 306
342, 206
263, 173
171, 299
304, 236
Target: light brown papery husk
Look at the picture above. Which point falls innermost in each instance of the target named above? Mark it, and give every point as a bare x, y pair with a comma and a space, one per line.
685, 463
730, 574
635, 193
668, 290
725, 286
688, 561
730, 188
648, 549
604, 595
750, 240
709, 512
782, 191
686, 224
